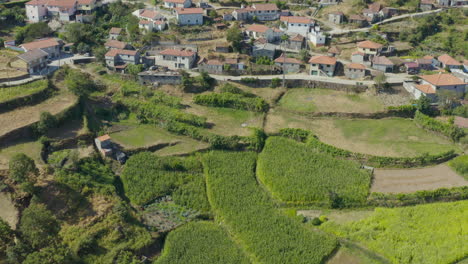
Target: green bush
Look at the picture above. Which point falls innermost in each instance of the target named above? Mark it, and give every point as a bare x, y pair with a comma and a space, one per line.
294, 172
297, 134
198, 243
231, 100
460, 165
154, 113
275, 82
38, 226
229, 88
449, 130
249, 80
403, 110
251, 217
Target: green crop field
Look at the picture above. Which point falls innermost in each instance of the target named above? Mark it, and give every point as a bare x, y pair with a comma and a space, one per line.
13, 92
201, 243
325, 100
460, 165
433, 233
294, 172
239, 202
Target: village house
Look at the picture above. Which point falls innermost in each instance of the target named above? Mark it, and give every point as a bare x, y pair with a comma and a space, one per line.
359, 20
288, 65
426, 63
114, 33
50, 45
189, 16
118, 59
336, 17
262, 12
412, 67
388, 12
355, 71
426, 5
212, 66
299, 25
176, 59
296, 42
446, 61
264, 50
150, 26
36, 10
358, 57
443, 2
63, 10
158, 77
148, 15
430, 84
322, 65
260, 31
334, 51
372, 13
382, 63
177, 3
104, 145
115, 44
370, 49
32, 62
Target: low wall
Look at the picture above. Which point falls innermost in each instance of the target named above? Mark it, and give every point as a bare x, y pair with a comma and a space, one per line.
299, 83
12, 79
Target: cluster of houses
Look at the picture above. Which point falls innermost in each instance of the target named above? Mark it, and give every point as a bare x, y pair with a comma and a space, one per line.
426, 5
63, 10
374, 12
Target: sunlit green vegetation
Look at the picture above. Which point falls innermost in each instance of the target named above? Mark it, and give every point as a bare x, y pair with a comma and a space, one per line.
433, 233
200, 243
294, 172
460, 165
13, 92
249, 214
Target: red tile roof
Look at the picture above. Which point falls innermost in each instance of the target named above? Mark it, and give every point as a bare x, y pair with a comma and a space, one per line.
188, 11
447, 60
375, 7
40, 44
257, 28
320, 59
214, 62
151, 14
62, 3
104, 137
367, 44
115, 44
382, 60
296, 19
442, 79
282, 59
425, 88
298, 37
355, 66
265, 7
144, 22
358, 53
175, 1
115, 30
115, 52
37, 2
180, 53
357, 17
86, 2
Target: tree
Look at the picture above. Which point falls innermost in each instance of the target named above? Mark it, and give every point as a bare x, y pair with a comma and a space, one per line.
304, 55
205, 81
380, 80
46, 122
234, 36
13, 15
32, 31
6, 235
99, 53
38, 226
212, 13
423, 104
52, 255
134, 69
22, 168
79, 83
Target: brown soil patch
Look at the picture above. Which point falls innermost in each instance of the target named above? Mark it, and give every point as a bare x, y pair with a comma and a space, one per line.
411, 180
27, 115
8, 211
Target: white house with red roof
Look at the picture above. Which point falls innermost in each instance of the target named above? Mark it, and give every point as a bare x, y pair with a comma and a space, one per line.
430, 84
262, 12
118, 59
369, 49
150, 20
189, 16
296, 24
36, 10
177, 3
355, 70
322, 65
446, 61
289, 65
176, 59
261, 31
49, 45
63, 10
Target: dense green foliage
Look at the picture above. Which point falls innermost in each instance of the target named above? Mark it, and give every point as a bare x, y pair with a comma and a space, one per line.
153, 113
147, 177
79, 83
449, 130
46, 122
433, 233
230, 88
460, 165
22, 168
297, 134
248, 212
10, 93
200, 243
293, 172
31, 32
231, 100
378, 161
51, 255
6, 235
38, 226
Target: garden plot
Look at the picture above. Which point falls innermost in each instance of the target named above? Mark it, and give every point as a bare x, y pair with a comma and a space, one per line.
412, 180
394, 137
6, 71
325, 100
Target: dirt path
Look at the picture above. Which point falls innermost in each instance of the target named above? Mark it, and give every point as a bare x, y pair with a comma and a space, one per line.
27, 115
411, 180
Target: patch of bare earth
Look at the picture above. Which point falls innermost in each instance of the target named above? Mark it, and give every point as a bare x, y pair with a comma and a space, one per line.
27, 115
8, 211
411, 180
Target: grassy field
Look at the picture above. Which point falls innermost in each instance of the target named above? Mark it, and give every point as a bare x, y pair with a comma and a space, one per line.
326, 100
268, 235
433, 233
381, 137
143, 136
198, 243
32, 149
13, 92
293, 172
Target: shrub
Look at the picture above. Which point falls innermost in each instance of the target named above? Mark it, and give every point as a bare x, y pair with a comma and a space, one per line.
297, 134
201, 242
249, 80
316, 221
22, 168
250, 215
294, 172
229, 88
231, 100
39, 226
449, 130
275, 82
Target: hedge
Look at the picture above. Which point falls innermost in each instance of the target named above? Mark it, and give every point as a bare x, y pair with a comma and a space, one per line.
231, 100
449, 130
